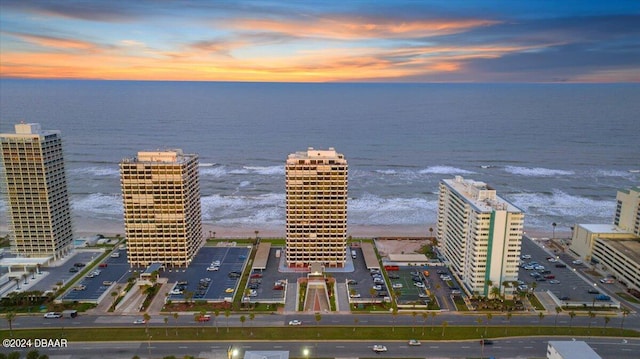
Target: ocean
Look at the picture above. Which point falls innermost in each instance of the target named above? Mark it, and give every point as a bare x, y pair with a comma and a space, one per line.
560, 152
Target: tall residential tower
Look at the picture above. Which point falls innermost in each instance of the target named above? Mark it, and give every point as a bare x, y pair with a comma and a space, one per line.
162, 214
36, 184
316, 196
627, 215
480, 235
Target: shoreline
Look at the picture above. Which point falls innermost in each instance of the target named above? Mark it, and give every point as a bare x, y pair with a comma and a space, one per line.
88, 227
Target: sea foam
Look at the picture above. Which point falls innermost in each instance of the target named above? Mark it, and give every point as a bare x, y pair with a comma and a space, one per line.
536, 172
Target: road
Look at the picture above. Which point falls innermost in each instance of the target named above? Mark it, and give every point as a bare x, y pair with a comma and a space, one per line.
505, 348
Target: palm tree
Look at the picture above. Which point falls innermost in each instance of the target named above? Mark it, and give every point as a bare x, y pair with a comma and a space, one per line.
444, 325
318, 318
10, 316
373, 293
175, 316
479, 320
540, 317
394, 314
572, 315
166, 328
355, 323
625, 312
433, 319
252, 316
509, 315
489, 317
591, 316
555, 322
424, 321
114, 295
146, 318
216, 313
17, 283
413, 314
256, 232
495, 292
242, 320
554, 224
606, 321
227, 313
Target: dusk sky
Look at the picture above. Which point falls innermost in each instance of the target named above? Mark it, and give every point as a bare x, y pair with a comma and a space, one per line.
323, 41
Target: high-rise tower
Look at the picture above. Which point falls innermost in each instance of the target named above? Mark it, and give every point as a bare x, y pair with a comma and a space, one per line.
627, 214
36, 184
480, 234
316, 196
162, 214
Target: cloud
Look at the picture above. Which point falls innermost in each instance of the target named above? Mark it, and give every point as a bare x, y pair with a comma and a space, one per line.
54, 42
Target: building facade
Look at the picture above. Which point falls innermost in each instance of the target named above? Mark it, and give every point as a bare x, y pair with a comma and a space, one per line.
162, 214
627, 215
36, 186
480, 235
316, 208
621, 258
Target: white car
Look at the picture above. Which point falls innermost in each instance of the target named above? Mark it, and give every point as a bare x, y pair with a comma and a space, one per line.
53, 315
577, 261
377, 287
418, 284
379, 348
554, 281
176, 292
139, 321
397, 285
213, 269
355, 295
295, 322
215, 263
414, 342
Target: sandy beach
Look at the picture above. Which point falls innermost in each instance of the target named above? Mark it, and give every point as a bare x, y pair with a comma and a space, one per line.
91, 227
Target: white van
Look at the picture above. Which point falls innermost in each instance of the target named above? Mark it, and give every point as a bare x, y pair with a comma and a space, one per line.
353, 254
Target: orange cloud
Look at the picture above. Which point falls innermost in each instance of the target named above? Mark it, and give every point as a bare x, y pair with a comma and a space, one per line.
55, 42
354, 28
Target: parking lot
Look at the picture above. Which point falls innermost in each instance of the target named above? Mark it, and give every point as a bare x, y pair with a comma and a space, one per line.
567, 285
220, 285
61, 273
110, 273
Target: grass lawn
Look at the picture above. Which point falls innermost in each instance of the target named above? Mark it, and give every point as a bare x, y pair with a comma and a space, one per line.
209, 332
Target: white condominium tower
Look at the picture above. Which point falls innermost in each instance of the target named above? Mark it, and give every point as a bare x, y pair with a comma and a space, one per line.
316, 186
36, 186
628, 210
162, 214
480, 235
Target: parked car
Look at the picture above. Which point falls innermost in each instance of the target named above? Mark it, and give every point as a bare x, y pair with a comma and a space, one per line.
593, 291
554, 281
607, 280
80, 287
102, 265
577, 261
560, 265
603, 297
73, 270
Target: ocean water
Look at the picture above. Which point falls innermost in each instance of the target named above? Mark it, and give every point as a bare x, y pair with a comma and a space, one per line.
560, 152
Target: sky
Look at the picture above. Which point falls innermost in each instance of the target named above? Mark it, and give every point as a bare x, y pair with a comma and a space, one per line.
322, 41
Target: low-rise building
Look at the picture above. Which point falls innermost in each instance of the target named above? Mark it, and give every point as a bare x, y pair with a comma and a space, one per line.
574, 349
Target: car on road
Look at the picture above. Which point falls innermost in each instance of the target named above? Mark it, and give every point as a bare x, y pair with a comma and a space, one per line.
486, 342
295, 322
414, 342
53, 315
139, 321
204, 318
379, 348
213, 269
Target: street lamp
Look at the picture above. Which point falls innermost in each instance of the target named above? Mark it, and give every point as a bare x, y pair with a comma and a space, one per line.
231, 352
305, 352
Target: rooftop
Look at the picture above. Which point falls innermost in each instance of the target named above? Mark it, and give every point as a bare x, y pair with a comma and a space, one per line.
603, 228
574, 349
480, 195
628, 247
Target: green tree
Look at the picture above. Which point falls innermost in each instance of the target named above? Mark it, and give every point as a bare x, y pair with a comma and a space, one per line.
33, 354
242, 320
227, 313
